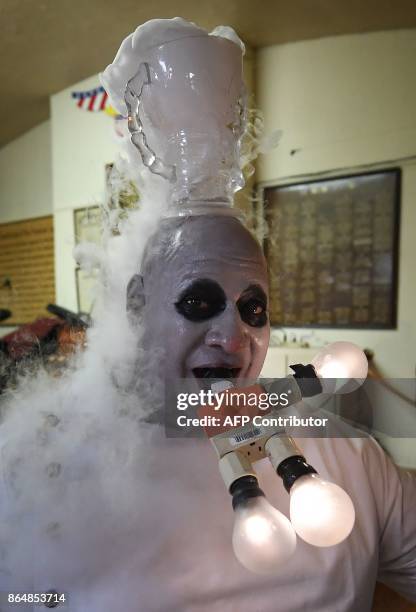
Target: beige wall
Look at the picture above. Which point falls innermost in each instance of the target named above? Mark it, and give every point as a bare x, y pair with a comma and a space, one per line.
25, 176
345, 103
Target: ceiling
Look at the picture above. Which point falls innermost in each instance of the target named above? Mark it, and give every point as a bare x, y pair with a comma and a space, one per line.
47, 45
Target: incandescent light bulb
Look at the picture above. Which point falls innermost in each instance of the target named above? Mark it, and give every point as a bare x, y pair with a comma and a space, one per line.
341, 366
263, 538
321, 512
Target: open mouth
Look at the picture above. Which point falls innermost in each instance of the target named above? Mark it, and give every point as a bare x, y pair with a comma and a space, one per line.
216, 373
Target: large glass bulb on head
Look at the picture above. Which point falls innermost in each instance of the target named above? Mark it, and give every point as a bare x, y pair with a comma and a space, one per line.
182, 90
263, 538
321, 512
341, 366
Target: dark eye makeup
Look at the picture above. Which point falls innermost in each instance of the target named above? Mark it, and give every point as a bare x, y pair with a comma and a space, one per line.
204, 299
252, 306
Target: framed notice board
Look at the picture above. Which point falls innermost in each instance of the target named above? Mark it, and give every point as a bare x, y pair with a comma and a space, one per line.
332, 250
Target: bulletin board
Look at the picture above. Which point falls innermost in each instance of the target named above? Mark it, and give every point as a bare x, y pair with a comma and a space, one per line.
27, 275
332, 250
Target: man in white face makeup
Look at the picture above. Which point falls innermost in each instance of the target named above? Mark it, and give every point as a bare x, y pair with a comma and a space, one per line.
201, 300
204, 288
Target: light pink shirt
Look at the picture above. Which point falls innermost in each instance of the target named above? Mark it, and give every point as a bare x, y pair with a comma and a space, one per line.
178, 556
184, 560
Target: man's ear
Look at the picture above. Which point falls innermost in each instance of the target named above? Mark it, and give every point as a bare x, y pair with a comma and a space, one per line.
135, 295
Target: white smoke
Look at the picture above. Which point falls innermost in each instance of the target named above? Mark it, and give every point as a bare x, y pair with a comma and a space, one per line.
80, 488
74, 449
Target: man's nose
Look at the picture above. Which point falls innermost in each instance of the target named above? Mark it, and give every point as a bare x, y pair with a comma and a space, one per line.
228, 331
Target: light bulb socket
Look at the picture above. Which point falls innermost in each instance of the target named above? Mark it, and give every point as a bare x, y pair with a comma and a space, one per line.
244, 488
307, 379
293, 468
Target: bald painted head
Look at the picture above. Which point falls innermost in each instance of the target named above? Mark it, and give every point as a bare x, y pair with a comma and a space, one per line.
202, 297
